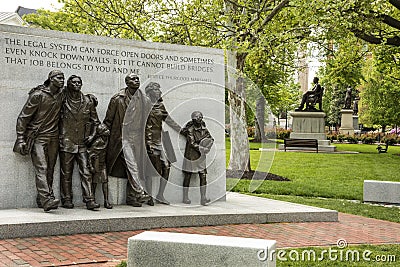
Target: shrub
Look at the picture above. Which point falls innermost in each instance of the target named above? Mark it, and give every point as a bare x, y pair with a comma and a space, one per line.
352, 139
331, 137
282, 133
369, 138
390, 139
270, 134
278, 133
341, 138
251, 131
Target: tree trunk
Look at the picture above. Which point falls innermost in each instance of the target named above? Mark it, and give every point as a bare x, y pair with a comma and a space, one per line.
259, 135
240, 154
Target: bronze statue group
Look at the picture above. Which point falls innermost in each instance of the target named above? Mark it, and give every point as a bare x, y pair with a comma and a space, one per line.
59, 120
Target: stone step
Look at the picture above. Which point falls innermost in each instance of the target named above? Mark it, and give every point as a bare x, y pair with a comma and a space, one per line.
381, 191
237, 209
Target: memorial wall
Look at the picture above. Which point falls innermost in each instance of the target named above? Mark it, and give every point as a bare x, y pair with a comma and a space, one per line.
191, 78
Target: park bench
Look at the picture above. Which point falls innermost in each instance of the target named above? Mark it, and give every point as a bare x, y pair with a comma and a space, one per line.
309, 143
382, 149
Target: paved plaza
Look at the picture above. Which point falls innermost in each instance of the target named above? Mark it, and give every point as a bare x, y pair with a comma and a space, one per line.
110, 247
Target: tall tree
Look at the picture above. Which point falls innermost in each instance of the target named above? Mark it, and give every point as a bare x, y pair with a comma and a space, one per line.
273, 76
380, 92
342, 68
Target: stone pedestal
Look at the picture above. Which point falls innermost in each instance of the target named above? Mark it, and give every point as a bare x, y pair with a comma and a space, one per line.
347, 124
355, 124
310, 125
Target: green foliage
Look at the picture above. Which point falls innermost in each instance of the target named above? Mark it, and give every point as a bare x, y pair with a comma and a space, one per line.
59, 21
366, 19
331, 137
115, 18
282, 133
271, 74
390, 139
250, 116
250, 131
380, 91
369, 138
351, 139
342, 69
122, 264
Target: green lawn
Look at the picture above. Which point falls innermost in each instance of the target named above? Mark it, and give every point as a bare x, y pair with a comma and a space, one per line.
325, 180
326, 175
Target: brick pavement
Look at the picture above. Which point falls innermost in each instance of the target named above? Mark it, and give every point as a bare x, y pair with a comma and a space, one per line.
108, 249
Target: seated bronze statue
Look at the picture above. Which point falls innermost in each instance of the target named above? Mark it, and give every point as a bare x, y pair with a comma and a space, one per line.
311, 98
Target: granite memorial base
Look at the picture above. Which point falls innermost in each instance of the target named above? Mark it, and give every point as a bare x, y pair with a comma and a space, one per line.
381, 191
347, 122
237, 209
309, 125
177, 249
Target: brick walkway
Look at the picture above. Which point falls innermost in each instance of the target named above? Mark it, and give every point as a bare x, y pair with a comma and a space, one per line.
108, 249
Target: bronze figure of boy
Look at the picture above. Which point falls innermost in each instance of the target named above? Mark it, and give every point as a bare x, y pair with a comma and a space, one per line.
198, 144
97, 162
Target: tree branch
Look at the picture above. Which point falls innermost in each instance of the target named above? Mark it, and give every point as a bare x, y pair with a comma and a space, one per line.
394, 41
395, 3
236, 4
104, 23
253, 37
392, 22
272, 14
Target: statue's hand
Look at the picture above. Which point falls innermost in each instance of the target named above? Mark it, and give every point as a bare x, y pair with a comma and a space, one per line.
149, 149
204, 150
92, 169
183, 132
21, 148
88, 140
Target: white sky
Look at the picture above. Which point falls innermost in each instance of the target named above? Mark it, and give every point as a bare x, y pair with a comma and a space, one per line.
12, 5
